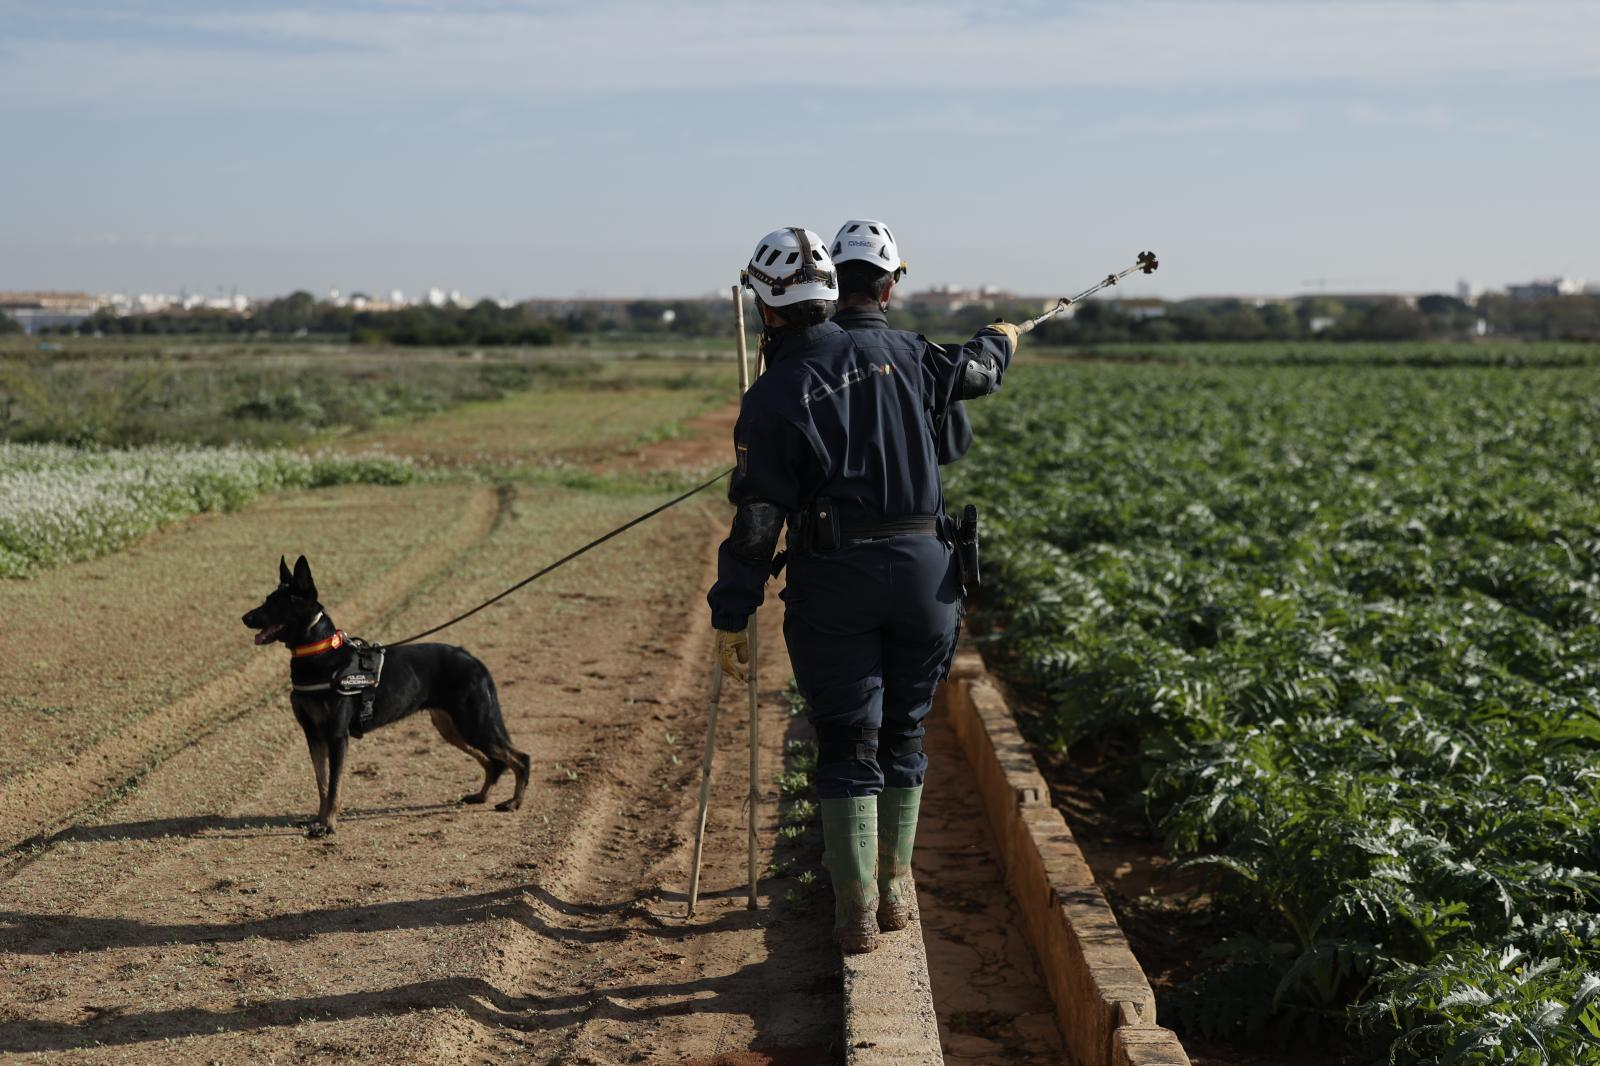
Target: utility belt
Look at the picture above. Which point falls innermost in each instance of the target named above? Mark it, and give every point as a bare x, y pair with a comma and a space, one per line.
821, 529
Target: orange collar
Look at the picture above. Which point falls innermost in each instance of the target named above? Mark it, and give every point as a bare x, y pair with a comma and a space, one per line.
338, 640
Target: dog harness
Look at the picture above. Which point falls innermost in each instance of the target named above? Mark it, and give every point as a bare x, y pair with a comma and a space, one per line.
354, 674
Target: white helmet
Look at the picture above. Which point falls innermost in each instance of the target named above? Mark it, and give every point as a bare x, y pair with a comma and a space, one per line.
868, 240
790, 265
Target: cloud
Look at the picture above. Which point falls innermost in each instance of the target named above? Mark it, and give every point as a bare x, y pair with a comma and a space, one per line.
298, 54
1265, 119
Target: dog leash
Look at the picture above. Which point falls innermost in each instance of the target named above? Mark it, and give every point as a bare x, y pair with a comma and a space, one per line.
565, 559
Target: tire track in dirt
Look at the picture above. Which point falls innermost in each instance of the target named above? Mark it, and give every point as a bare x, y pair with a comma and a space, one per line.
665, 989
35, 802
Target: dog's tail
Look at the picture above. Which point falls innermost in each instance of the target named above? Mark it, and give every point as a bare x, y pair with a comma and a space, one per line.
497, 718
518, 761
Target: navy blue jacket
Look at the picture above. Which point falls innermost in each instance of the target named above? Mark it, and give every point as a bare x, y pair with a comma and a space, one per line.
850, 416
953, 432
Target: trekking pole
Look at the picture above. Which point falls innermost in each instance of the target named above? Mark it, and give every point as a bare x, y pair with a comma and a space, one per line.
755, 764
744, 358
754, 801
716, 689
705, 782
1146, 264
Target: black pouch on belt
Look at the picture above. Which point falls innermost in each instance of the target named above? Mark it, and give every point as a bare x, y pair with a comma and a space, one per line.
967, 550
823, 523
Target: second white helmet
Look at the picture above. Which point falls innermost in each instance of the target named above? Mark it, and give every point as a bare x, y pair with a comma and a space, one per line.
867, 240
791, 265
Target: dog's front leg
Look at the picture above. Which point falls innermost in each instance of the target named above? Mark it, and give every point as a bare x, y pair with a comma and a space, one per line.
317, 744
326, 820
319, 766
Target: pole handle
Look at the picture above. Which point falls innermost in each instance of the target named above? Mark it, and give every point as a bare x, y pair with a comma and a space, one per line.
744, 354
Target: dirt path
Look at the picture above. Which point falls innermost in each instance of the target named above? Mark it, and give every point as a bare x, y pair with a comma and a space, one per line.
113, 664
181, 916
622, 976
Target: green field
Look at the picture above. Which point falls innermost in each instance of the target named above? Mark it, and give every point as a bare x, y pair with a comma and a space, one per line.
105, 440
119, 392
1488, 352
1343, 625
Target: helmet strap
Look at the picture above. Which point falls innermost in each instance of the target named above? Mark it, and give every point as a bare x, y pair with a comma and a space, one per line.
766, 331
807, 271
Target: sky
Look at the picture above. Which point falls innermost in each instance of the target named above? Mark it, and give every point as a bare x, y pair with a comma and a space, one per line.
632, 148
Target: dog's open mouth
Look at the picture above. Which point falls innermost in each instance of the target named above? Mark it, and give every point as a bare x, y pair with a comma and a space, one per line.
264, 635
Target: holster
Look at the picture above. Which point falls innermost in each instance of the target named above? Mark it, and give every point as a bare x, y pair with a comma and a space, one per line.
820, 531
967, 551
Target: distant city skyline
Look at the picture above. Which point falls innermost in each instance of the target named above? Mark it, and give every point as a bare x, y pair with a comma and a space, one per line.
523, 149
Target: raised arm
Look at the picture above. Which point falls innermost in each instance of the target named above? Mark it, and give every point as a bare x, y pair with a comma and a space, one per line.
972, 370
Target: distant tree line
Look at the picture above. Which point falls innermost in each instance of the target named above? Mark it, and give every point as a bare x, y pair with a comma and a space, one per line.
1102, 321
1435, 317
8, 325
485, 323
686, 318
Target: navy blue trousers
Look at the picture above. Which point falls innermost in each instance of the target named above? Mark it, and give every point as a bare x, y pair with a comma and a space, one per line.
871, 629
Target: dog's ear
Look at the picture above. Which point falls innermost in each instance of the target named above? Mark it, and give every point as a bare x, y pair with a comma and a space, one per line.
302, 578
284, 577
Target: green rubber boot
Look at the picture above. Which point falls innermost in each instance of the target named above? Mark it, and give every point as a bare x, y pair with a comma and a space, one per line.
897, 832
849, 835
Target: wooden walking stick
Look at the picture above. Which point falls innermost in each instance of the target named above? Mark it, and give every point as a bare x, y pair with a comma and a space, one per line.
716, 694
754, 801
744, 356
705, 782
755, 763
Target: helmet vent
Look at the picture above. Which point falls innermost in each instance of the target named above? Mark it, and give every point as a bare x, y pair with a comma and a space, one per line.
874, 230
853, 227
816, 254
883, 253
759, 253
887, 234
792, 257
773, 258
838, 246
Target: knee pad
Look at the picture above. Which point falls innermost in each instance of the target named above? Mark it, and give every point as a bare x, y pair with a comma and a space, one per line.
847, 745
900, 747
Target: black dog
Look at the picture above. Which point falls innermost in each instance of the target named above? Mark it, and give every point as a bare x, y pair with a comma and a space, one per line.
455, 687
